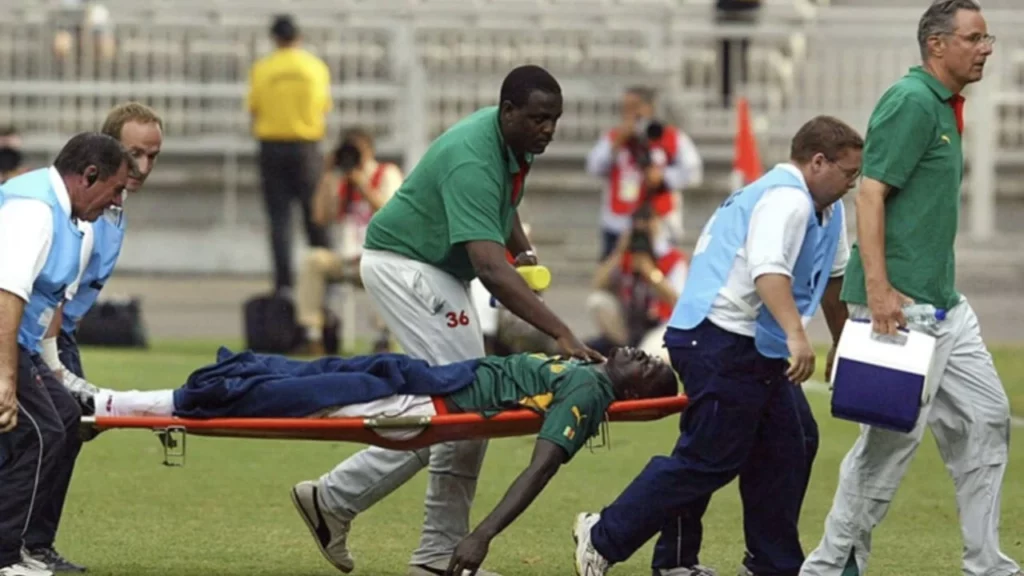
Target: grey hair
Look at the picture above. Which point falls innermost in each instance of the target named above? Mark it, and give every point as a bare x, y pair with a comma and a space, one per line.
938, 20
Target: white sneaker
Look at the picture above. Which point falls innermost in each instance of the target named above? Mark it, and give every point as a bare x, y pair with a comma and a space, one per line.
25, 569
329, 531
697, 570
589, 561
31, 562
434, 570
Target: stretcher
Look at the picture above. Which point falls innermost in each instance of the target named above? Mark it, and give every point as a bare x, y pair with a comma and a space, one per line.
435, 429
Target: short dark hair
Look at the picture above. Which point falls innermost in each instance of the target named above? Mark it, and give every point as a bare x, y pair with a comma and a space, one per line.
645, 93
356, 133
284, 28
525, 80
938, 19
826, 135
92, 149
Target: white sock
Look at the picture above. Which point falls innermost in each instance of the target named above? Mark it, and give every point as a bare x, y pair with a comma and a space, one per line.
135, 403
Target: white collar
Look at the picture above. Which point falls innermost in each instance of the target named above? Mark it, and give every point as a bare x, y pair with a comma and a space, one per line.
60, 190
827, 212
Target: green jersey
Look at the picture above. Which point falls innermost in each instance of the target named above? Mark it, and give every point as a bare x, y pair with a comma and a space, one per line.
572, 396
913, 145
466, 188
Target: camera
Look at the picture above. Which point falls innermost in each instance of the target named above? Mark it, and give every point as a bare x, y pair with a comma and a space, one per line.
10, 159
647, 129
348, 157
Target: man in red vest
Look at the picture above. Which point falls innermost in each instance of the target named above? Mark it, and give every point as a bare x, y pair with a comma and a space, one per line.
643, 158
637, 286
364, 186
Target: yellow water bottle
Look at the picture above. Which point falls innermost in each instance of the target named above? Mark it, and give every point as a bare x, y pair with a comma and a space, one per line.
537, 277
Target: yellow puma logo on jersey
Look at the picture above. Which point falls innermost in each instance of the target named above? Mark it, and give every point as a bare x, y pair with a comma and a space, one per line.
540, 401
579, 415
946, 138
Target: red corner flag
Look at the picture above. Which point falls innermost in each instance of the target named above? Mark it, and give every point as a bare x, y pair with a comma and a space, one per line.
746, 166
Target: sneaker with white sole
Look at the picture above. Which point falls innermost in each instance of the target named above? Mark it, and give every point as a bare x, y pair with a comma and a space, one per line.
329, 531
434, 570
25, 569
589, 561
28, 560
50, 559
696, 570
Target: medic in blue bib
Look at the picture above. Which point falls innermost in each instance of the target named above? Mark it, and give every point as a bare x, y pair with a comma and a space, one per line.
737, 338
140, 130
41, 245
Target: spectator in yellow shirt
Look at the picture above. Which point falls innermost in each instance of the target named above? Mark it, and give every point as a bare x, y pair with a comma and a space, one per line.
289, 98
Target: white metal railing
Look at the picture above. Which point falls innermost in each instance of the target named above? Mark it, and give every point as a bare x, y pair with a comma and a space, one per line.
408, 75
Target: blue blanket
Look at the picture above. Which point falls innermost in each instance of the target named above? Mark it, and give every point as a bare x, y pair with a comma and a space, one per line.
250, 385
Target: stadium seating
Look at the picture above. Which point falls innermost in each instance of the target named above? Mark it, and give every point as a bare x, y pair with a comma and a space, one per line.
407, 69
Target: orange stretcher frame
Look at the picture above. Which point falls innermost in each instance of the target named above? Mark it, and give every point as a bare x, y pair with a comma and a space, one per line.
439, 428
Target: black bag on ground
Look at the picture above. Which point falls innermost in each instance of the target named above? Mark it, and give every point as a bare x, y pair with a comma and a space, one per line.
271, 326
113, 323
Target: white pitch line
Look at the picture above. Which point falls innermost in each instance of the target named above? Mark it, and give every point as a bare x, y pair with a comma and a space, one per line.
822, 388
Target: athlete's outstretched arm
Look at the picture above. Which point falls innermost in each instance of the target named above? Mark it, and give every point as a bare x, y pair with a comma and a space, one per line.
470, 553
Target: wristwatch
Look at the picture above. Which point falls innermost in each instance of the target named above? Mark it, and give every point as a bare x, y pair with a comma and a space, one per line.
528, 253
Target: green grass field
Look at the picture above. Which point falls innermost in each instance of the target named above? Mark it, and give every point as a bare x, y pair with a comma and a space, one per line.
227, 512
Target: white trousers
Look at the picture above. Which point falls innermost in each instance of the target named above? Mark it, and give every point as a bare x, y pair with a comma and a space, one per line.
431, 315
969, 415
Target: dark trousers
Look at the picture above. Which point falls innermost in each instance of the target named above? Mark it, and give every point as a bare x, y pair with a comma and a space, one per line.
36, 460
608, 241
742, 421
289, 171
680, 540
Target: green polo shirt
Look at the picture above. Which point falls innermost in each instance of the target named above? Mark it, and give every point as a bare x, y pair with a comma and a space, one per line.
913, 145
460, 191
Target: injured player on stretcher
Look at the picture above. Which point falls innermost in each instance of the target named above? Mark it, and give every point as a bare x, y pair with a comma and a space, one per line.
572, 396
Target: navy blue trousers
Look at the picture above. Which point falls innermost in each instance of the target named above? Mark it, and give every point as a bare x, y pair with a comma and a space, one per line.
743, 421
36, 460
681, 537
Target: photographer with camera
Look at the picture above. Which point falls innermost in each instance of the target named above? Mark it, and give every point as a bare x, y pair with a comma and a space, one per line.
354, 185
637, 286
643, 159
11, 157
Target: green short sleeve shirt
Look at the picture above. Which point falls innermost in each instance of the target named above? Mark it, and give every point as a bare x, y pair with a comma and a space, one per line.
913, 145
466, 187
573, 397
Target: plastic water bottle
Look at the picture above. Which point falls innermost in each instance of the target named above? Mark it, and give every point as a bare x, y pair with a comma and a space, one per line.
923, 315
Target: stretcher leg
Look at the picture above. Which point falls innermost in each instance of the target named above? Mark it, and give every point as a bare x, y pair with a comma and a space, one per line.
173, 440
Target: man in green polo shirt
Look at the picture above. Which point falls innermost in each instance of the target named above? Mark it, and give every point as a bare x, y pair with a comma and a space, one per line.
907, 214
451, 221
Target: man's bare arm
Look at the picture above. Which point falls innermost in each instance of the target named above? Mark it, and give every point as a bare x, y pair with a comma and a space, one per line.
870, 204
833, 308
11, 309
547, 458
505, 284
776, 291
518, 242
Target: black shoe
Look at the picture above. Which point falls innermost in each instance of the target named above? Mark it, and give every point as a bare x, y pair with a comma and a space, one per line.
54, 561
